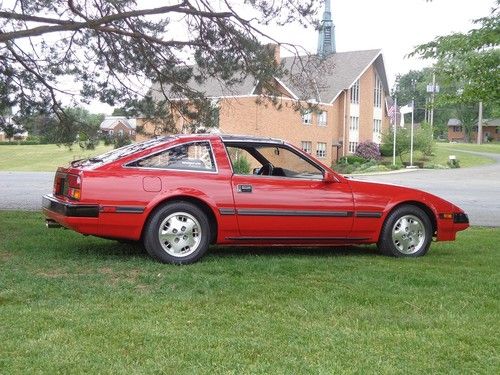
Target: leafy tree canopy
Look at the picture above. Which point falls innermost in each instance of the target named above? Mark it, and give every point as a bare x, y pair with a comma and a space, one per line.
111, 50
471, 59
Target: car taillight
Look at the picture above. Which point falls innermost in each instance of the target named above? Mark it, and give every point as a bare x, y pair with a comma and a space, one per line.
74, 187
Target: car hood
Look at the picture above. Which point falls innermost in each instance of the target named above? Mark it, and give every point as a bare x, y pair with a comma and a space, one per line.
369, 193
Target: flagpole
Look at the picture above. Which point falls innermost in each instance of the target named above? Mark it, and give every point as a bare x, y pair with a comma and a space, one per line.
411, 136
395, 117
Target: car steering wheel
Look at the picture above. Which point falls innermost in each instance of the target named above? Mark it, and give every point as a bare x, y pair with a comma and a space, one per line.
266, 170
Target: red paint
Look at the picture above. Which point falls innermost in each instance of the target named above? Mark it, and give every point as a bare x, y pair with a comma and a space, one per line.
332, 211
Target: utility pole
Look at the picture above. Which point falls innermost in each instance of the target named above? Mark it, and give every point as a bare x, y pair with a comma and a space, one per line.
433, 89
480, 124
413, 83
394, 127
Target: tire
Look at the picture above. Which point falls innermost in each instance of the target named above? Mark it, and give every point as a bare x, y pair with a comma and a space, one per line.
407, 232
177, 233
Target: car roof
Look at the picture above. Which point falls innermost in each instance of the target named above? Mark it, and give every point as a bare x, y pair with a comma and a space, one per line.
231, 138
249, 138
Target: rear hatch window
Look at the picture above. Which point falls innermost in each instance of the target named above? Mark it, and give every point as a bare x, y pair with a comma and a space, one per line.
118, 153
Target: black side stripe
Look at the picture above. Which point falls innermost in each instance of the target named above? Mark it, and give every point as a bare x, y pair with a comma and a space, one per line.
250, 212
227, 211
368, 214
123, 209
130, 209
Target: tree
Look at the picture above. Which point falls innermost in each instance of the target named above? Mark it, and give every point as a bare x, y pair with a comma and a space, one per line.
414, 84
8, 128
469, 59
112, 50
422, 141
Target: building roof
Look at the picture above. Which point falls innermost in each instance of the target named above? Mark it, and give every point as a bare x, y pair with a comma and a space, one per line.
307, 78
111, 121
491, 122
339, 71
454, 122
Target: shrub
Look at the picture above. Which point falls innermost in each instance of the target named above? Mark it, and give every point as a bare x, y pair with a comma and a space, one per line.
453, 163
122, 140
241, 165
368, 150
386, 149
352, 159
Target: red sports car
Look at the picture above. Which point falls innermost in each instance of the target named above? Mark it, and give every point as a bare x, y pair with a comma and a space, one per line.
179, 194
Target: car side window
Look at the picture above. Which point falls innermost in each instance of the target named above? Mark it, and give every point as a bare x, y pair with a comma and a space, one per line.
195, 156
271, 160
242, 161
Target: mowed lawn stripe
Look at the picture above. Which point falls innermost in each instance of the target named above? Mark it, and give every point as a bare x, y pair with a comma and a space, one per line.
75, 304
42, 158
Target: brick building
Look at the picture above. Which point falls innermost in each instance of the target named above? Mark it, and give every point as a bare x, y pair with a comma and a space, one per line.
342, 98
491, 131
118, 126
348, 106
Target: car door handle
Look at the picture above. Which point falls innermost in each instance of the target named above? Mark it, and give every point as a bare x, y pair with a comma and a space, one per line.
244, 188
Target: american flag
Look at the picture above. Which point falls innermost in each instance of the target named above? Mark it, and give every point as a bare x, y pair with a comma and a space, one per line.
392, 113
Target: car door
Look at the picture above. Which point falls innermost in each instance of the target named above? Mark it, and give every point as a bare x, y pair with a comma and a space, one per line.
294, 202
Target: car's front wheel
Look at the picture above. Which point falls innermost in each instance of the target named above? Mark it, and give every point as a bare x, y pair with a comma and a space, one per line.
178, 233
407, 232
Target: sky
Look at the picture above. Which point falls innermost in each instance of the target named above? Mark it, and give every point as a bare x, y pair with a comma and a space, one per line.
395, 26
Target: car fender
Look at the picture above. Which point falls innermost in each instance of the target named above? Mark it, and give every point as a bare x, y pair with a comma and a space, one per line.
189, 192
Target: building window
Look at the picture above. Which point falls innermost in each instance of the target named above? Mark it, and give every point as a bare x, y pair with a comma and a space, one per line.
377, 97
306, 146
111, 132
307, 117
354, 124
321, 150
355, 93
474, 129
497, 131
377, 126
352, 147
120, 132
457, 129
322, 118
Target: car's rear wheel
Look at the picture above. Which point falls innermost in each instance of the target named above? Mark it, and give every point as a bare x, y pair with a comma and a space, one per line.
407, 232
178, 233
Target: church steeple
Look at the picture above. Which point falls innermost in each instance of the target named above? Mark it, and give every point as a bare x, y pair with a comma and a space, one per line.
326, 37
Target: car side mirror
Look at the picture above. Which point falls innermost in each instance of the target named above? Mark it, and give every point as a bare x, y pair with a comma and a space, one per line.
328, 177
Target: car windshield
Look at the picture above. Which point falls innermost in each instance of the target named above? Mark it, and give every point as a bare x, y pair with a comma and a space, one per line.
120, 152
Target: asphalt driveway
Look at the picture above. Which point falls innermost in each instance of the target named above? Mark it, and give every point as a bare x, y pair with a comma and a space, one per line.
476, 190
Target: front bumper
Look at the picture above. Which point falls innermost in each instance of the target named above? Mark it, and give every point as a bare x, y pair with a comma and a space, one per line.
460, 218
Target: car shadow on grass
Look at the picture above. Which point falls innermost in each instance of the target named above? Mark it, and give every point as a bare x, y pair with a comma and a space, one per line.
136, 250
111, 248
323, 251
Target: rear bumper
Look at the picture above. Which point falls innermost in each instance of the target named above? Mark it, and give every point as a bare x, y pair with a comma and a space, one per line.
83, 218
51, 203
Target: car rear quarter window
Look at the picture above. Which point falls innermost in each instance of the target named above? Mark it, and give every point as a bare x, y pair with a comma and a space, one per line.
194, 156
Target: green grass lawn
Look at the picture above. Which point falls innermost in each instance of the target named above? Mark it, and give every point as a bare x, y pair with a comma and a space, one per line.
75, 304
442, 152
487, 147
42, 157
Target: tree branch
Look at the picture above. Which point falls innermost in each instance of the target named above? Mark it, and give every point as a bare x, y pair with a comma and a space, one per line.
67, 25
